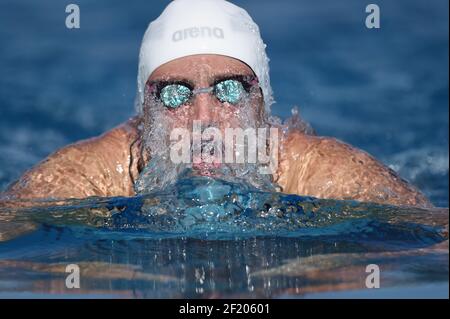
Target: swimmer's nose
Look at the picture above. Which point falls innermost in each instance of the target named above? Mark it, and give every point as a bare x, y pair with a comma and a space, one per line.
204, 106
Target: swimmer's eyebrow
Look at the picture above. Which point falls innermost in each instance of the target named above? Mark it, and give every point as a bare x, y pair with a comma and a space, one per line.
235, 76
173, 80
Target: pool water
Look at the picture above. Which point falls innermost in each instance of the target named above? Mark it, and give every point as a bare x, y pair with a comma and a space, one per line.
207, 237
384, 91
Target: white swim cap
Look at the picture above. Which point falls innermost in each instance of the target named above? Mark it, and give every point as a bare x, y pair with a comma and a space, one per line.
188, 27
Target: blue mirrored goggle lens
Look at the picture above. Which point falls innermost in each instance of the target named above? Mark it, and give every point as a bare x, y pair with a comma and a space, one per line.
174, 95
230, 91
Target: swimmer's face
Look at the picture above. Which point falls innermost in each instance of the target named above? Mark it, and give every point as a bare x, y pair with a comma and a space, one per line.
203, 71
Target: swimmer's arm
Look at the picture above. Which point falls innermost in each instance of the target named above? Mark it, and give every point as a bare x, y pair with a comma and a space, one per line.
99, 166
328, 168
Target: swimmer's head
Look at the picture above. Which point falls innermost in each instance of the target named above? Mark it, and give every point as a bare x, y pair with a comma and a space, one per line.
201, 61
187, 28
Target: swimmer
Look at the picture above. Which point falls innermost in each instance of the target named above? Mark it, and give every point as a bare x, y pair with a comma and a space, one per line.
204, 60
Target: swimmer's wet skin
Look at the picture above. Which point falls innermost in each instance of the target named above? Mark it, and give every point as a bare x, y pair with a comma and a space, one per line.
199, 76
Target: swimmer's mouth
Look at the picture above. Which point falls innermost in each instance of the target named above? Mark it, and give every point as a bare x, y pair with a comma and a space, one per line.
206, 167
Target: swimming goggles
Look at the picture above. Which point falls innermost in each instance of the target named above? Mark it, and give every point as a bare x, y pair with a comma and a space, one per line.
176, 94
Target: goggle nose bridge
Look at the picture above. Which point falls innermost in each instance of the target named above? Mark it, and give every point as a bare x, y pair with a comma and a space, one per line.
203, 90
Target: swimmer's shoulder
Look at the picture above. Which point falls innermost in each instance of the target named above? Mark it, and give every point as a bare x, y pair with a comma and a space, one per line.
98, 166
300, 146
124, 134
326, 167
